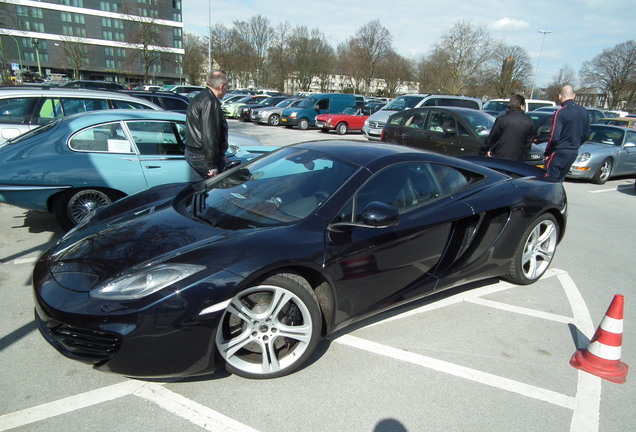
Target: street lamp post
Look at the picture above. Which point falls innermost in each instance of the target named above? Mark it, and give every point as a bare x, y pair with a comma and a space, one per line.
544, 32
18, 47
36, 45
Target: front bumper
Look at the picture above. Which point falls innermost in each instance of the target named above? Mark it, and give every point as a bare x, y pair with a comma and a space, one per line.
171, 335
372, 133
288, 121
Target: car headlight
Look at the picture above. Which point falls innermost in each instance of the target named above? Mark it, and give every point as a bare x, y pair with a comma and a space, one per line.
583, 157
293, 115
145, 282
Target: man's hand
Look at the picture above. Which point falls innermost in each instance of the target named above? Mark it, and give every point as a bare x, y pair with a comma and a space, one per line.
213, 172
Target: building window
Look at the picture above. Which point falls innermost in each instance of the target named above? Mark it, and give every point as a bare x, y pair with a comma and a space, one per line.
76, 3
107, 22
108, 6
119, 37
178, 44
177, 32
109, 51
110, 64
107, 35
176, 4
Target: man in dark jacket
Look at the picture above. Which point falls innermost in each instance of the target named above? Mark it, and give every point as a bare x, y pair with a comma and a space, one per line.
511, 135
206, 127
570, 129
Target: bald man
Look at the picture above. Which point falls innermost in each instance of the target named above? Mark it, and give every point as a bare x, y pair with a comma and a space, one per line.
570, 129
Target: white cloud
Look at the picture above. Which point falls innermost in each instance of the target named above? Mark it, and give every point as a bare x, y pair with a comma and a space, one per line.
509, 24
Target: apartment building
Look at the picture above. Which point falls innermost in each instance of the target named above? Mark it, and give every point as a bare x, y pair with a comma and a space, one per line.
125, 41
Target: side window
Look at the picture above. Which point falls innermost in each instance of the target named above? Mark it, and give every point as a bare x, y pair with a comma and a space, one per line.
13, 110
77, 105
155, 137
438, 121
415, 120
451, 179
107, 138
323, 104
405, 186
174, 104
120, 104
630, 138
396, 120
50, 110
430, 102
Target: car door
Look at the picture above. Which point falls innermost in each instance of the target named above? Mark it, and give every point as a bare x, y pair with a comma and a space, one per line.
376, 268
446, 135
626, 163
410, 131
160, 151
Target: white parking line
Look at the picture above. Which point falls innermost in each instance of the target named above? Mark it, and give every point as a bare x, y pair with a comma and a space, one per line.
603, 190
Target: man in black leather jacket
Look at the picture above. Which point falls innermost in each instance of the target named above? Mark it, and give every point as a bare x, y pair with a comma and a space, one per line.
206, 127
511, 135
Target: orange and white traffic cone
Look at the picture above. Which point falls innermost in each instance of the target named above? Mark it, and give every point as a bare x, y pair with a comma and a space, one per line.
603, 355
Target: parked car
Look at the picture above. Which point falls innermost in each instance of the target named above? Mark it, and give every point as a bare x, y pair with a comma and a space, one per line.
246, 111
610, 151
496, 107
373, 126
271, 115
593, 114
304, 115
185, 89
351, 119
228, 98
73, 165
169, 101
249, 269
233, 109
89, 84
23, 109
452, 131
619, 121
542, 121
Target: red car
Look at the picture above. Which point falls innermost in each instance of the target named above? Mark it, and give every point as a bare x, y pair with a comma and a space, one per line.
351, 119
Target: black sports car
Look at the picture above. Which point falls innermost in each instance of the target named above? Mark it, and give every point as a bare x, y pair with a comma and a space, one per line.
251, 268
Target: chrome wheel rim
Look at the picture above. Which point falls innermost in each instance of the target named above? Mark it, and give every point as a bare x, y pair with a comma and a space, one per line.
264, 330
539, 249
606, 167
84, 202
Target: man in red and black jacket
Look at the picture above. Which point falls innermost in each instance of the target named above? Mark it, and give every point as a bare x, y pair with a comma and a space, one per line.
570, 129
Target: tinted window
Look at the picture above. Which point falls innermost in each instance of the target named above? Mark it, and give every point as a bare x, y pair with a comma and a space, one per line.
120, 104
403, 102
108, 138
174, 104
13, 110
79, 105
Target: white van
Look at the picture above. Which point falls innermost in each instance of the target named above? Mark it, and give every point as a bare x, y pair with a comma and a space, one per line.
373, 125
499, 106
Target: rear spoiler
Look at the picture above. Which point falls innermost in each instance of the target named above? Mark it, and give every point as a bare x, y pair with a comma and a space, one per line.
520, 169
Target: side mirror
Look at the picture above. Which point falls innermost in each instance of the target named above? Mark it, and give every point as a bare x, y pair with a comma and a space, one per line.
374, 215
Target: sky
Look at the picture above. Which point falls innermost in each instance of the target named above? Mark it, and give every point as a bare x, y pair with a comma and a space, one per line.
580, 29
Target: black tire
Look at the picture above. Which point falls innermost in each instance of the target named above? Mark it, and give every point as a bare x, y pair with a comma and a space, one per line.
303, 124
342, 128
71, 207
283, 318
603, 172
273, 120
535, 251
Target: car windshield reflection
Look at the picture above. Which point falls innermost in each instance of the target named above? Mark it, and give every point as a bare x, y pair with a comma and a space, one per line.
282, 188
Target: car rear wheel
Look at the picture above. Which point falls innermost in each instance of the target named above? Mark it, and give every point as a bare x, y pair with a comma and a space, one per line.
71, 207
535, 251
303, 124
603, 173
342, 128
270, 329
273, 120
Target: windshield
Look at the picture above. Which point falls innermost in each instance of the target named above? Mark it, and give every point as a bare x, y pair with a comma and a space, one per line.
285, 103
308, 103
403, 102
606, 135
282, 187
493, 105
350, 111
479, 121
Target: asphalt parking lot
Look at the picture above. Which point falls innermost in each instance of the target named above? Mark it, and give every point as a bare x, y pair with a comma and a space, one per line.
489, 356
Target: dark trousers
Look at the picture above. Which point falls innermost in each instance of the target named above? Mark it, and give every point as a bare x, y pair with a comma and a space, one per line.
199, 163
558, 164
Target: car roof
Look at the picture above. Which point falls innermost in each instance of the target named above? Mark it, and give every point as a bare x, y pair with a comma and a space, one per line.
57, 91
91, 117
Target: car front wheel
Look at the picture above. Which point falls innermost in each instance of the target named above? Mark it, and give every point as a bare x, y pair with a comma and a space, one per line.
270, 329
535, 251
71, 207
603, 173
342, 128
303, 124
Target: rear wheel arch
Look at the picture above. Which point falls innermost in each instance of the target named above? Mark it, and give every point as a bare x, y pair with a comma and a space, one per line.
59, 203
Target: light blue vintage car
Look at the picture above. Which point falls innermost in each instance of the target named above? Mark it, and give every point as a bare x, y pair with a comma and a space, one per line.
73, 165
610, 151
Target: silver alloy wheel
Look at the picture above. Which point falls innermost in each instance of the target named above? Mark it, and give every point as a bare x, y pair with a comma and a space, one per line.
274, 120
604, 171
264, 330
539, 249
84, 202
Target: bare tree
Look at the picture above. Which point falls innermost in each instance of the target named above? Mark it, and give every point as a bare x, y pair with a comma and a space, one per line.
566, 75
362, 54
195, 57
464, 50
614, 71
310, 56
278, 63
395, 70
255, 37
509, 70
76, 54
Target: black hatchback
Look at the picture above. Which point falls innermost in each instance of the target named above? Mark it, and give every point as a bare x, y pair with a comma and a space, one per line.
451, 131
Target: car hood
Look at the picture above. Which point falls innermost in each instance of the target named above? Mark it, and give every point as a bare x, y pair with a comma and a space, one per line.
593, 147
138, 239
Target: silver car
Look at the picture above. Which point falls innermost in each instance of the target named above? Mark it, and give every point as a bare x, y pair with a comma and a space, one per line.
271, 115
25, 108
610, 151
